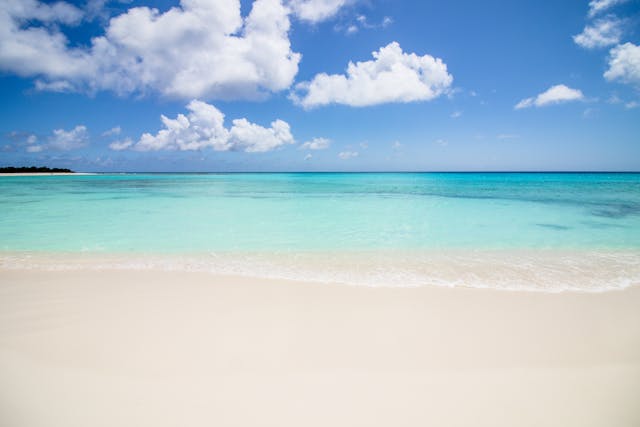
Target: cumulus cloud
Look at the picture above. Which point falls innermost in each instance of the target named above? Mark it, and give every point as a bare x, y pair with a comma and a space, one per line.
599, 6
203, 128
64, 140
121, 144
316, 144
60, 140
392, 76
201, 48
554, 95
316, 10
346, 155
604, 32
624, 64
254, 138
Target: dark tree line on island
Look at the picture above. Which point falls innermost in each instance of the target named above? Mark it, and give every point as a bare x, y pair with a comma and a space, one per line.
33, 169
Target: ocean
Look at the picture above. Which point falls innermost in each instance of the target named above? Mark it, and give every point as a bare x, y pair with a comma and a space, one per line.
532, 231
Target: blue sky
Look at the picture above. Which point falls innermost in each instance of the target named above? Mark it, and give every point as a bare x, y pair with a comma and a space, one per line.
264, 85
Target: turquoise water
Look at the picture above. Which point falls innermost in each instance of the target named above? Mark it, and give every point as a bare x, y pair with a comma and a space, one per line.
180, 213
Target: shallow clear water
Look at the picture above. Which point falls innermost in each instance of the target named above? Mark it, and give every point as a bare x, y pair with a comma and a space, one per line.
160, 213
546, 232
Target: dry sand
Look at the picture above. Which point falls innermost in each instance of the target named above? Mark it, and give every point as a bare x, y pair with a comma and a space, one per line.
125, 348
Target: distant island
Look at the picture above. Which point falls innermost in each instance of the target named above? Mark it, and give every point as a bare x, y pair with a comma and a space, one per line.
34, 169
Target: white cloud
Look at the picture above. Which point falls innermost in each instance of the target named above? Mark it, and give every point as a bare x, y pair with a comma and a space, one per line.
203, 128
254, 138
604, 32
308, 156
362, 22
456, 114
316, 10
554, 95
121, 145
23, 10
64, 140
201, 48
60, 140
598, 6
35, 148
624, 64
22, 138
632, 104
316, 144
112, 132
396, 145
392, 76
346, 155
504, 136
441, 142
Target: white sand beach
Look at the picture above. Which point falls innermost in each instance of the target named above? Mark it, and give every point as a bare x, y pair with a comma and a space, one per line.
145, 348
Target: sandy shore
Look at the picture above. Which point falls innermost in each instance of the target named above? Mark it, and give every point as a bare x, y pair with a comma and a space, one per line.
126, 348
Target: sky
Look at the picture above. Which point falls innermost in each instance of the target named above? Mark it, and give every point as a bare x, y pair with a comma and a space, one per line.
320, 85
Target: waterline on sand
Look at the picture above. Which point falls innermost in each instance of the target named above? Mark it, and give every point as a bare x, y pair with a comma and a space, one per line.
516, 270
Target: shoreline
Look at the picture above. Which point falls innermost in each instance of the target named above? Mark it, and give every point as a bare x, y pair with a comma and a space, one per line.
541, 270
174, 348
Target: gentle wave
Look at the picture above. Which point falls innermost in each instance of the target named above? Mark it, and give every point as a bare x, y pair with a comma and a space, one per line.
537, 271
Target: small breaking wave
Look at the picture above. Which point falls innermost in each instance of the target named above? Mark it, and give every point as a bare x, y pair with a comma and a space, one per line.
533, 271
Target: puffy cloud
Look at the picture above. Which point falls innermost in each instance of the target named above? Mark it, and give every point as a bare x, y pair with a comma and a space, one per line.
392, 76
28, 50
203, 127
624, 64
64, 140
316, 10
346, 155
316, 144
25, 10
598, 6
308, 157
202, 48
554, 95
121, 144
253, 138
60, 140
396, 145
604, 32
